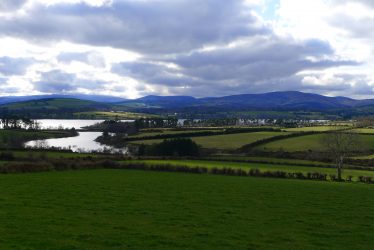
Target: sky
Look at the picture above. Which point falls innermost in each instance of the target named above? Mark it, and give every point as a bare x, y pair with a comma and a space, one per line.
134, 48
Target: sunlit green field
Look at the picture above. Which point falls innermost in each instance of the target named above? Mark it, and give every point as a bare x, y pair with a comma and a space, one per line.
168, 132
315, 128
112, 115
260, 166
310, 142
231, 141
365, 130
119, 209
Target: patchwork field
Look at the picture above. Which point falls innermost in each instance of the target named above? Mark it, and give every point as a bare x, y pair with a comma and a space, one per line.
260, 166
231, 141
112, 115
119, 209
316, 128
310, 142
171, 132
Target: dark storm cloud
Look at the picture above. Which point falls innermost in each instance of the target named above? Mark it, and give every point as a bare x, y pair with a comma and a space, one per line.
152, 73
144, 26
14, 66
262, 59
261, 64
57, 81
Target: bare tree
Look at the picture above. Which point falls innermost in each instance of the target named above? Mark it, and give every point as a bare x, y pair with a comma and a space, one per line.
341, 144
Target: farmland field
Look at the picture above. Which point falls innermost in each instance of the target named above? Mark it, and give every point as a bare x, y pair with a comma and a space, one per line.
112, 115
309, 142
316, 128
172, 132
100, 209
231, 141
260, 166
365, 130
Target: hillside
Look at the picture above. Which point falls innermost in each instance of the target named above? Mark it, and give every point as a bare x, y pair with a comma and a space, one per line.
95, 98
280, 104
291, 104
54, 107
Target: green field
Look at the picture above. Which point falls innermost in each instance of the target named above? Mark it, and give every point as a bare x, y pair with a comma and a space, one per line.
309, 142
171, 132
260, 166
230, 141
316, 128
112, 115
45, 153
365, 130
119, 209
267, 160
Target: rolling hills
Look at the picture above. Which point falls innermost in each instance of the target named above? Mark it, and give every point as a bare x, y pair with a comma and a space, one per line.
281, 104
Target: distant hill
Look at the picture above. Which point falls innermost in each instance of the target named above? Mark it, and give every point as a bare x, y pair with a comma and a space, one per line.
187, 106
52, 107
289, 100
95, 98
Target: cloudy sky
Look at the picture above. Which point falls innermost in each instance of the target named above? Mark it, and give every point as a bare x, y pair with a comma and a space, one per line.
133, 48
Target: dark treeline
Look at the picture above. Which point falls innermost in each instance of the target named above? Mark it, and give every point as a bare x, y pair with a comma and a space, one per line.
61, 164
156, 123
172, 147
15, 122
114, 126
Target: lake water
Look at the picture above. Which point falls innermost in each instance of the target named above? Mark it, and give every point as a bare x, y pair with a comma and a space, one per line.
68, 124
84, 142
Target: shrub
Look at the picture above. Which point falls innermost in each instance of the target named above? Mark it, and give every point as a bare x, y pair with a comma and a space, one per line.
175, 147
7, 156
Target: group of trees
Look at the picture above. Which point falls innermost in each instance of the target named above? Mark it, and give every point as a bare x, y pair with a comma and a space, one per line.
171, 147
14, 122
156, 123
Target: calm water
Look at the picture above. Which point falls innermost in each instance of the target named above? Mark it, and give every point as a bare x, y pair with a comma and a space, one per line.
84, 142
68, 124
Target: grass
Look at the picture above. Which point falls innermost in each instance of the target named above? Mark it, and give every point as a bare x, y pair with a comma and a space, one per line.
268, 160
49, 154
226, 142
364, 130
315, 128
119, 209
260, 166
112, 115
309, 142
366, 157
170, 132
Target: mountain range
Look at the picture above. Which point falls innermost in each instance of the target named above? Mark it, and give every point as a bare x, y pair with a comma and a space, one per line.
273, 101
289, 100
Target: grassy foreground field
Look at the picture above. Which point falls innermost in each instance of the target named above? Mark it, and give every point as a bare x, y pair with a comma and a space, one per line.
101, 209
230, 141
